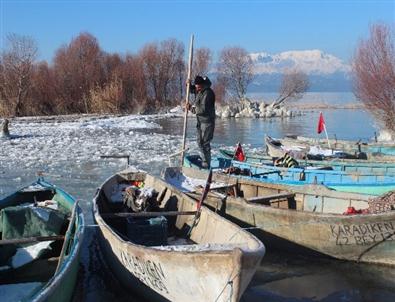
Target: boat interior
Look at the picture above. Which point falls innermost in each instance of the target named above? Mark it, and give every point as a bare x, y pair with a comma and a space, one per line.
310, 198
33, 224
166, 218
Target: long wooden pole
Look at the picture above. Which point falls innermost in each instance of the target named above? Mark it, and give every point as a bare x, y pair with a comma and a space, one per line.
187, 99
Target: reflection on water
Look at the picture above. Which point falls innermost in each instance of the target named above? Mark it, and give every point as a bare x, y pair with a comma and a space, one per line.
281, 277
285, 277
340, 124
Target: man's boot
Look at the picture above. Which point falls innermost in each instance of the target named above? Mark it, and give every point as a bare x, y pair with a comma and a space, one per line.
206, 160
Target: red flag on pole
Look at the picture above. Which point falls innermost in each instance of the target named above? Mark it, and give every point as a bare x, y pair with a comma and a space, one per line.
321, 123
239, 153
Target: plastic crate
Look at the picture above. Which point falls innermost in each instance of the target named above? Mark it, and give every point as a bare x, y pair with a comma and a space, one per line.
147, 231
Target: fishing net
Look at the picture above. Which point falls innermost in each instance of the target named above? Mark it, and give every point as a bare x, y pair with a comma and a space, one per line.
382, 203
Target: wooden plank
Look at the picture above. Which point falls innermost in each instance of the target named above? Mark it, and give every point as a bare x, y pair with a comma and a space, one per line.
267, 173
39, 270
270, 198
147, 214
200, 190
223, 187
30, 239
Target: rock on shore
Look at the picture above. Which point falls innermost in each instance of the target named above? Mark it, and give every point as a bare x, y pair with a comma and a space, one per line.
251, 109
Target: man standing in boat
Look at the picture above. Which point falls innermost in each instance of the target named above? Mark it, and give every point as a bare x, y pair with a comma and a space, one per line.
204, 108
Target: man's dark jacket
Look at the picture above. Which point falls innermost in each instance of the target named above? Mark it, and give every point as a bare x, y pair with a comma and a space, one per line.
205, 105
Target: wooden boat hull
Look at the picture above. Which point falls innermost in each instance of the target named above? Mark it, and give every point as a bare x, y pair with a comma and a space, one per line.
314, 222
60, 286
355, 166
373, 153
385, 148
339, 180
173, 274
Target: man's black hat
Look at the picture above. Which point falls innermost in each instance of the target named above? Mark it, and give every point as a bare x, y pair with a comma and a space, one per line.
199, 80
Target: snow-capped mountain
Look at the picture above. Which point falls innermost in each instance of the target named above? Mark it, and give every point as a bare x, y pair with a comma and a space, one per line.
326, 72
309, 61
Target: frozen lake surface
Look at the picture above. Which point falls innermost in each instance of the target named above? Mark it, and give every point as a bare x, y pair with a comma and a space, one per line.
68, 150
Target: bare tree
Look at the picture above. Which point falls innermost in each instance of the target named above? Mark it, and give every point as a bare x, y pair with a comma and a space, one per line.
161, 65
294, 84
78, 69
134, 85
42, 98
172, 54
236, 68
219, 87
374, 75
17, 60
201, 62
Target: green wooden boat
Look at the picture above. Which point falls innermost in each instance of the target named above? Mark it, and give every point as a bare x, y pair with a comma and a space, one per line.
41, 229
304, 219
358, 166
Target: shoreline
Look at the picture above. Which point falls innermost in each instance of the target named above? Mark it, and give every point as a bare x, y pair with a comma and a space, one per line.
317, 106
89, 116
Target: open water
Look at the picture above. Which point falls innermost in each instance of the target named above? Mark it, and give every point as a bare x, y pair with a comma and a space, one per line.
69, 154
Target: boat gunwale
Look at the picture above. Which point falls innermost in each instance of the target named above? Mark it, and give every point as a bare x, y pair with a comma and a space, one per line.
50, 286
297, 190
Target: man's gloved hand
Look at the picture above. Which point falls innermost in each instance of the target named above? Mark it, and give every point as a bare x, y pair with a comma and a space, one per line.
191, 108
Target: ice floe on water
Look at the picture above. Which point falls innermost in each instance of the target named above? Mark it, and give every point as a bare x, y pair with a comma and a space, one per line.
72, 146
41, 144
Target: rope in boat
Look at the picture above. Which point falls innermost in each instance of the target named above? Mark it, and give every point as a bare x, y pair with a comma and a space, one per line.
229, 282
375, 245
242, 229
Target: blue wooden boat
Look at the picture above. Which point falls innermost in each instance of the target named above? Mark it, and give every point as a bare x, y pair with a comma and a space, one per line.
359, 166
348, 182
41, 229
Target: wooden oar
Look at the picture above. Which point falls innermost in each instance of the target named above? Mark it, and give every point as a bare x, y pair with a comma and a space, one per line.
147, 214
31, 239
187, 100
202, 198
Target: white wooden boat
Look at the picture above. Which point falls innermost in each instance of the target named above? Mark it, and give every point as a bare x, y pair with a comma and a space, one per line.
215, 260
299, 218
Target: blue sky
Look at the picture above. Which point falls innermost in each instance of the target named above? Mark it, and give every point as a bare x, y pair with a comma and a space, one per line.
126, 25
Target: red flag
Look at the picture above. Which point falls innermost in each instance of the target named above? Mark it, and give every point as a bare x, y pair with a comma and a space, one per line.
321, 123
239, 153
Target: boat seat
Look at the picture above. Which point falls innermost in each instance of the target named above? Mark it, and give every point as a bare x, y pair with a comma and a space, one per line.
268, 199
40, 270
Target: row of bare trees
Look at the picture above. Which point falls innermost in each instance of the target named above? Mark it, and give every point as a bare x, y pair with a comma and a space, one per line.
85, 79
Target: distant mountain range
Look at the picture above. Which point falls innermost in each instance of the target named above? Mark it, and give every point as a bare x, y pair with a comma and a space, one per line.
326, 72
